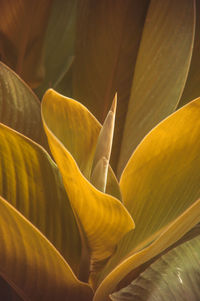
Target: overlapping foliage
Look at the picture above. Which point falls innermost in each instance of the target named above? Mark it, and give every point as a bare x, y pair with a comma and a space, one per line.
77, 221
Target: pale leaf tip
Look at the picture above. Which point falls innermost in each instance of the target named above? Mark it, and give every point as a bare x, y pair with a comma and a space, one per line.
114, 104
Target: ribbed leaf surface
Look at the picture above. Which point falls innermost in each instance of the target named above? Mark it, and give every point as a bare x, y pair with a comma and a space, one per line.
103, 218
19, 107
175, 276
30, 263
31, 182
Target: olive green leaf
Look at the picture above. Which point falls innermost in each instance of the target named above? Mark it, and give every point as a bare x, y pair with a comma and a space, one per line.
108, 35
102, 217
160, 182
22, 29
31, 264
112, 186
170, 235
31, 182
107, 62
59, 43
20, 108
175, 276
161, 70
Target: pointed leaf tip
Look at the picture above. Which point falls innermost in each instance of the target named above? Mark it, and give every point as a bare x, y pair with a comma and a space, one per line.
114, 104
104, 144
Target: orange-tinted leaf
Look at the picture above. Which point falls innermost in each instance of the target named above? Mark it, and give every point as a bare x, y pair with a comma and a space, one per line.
22, 28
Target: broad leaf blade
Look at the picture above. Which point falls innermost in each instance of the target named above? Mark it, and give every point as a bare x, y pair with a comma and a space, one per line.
103, 218
161, 70
170, 235
105, 63
30, 263
162, 177
161, 181
22, 29
78, 130
175, 276
31, 182
59, 43
19, 107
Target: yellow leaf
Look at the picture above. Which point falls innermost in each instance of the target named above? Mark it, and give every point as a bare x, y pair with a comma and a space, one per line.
30, 263
159, 184
31, 182
103, 218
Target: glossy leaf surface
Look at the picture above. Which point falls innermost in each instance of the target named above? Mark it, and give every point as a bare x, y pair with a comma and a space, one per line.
31, 182
161, 70
30, 263
22, 28
103, 218
170, 235
20, 108
175, 276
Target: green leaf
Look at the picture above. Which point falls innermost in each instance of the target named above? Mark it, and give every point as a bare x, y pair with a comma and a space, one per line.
31, 182
20, 108
59, 43
161, 70
30, 263
22, 29
103, 218
175, 276
108, 35
170, 235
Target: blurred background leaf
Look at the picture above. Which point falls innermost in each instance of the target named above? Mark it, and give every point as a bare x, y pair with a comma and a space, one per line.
108, 36
161, 70
22, 29
59, 45
123, 44
192, 86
